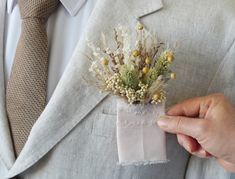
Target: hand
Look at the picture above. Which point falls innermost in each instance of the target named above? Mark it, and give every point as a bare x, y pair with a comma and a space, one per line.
205, 127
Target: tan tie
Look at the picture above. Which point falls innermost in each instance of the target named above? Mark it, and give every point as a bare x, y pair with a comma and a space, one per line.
27, 86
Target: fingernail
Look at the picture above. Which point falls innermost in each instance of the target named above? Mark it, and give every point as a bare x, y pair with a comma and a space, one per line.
162, 122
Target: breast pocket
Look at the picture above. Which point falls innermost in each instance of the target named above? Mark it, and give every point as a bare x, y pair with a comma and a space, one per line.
104, 126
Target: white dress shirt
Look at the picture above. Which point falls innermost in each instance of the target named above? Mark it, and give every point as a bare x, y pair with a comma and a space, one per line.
64, 28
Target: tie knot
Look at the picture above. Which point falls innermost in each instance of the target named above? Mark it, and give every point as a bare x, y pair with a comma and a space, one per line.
37, 8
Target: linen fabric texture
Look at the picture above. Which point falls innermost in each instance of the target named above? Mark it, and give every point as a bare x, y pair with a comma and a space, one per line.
140, 141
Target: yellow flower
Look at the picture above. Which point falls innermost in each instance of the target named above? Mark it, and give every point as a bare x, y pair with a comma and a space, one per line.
140, 26
156, 97
145, 70
148, 61
170, 57
173, 76
136, 53
105, 61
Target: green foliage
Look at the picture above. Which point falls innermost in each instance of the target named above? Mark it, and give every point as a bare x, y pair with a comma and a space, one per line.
130, 76
161, 67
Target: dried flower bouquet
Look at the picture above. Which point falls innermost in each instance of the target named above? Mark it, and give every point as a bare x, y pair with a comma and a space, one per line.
138, 74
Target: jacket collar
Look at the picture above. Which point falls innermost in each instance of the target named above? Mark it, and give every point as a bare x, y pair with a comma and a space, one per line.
72, 6
67, 107
144, 8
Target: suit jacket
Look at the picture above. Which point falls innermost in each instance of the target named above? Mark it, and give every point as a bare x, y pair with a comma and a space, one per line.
75, 135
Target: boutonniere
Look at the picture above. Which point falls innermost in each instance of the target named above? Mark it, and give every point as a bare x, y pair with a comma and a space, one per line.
137, 70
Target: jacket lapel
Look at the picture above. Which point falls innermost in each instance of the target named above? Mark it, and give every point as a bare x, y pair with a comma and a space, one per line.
6, 150
73, 98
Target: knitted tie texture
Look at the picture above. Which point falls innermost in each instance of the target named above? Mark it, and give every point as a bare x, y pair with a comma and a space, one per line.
27, 87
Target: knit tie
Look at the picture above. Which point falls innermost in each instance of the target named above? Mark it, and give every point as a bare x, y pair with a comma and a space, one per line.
27, 87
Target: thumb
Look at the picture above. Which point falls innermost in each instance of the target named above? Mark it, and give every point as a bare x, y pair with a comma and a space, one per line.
182, 125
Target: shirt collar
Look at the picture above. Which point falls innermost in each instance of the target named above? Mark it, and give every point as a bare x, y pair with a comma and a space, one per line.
72, 6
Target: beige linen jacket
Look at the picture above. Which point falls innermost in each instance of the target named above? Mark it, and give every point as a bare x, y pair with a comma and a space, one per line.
74, 138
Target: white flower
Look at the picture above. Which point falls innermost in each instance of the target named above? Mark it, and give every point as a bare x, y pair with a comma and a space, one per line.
93, 66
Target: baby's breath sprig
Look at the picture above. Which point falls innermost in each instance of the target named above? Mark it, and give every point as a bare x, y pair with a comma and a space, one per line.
138, 74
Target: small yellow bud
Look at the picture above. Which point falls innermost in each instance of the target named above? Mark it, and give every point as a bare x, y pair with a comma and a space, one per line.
136, 53
173, 76
148, 61
156, 97
170, 57
105, 61
145, 70
140, 26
